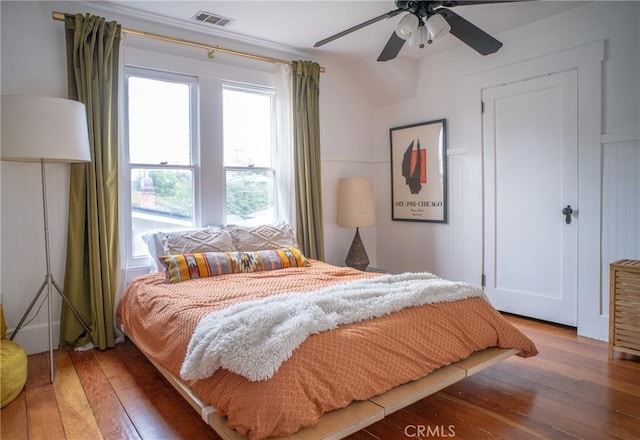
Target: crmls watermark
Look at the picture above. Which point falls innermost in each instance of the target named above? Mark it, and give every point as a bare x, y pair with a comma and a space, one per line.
428, 431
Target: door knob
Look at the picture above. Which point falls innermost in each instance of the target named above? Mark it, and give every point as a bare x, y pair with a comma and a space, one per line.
567, 214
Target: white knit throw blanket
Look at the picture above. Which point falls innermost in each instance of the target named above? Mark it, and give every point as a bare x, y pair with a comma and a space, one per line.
254, 338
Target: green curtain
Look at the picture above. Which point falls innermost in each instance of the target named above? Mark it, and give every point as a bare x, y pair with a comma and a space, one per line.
306, 138
92, 243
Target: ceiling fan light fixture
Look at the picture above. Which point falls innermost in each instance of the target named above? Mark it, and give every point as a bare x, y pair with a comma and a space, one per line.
419, 37
407, 26
437, 27
436, 18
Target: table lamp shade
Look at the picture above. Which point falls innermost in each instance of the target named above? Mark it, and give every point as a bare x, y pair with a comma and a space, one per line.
36, 128
355, 202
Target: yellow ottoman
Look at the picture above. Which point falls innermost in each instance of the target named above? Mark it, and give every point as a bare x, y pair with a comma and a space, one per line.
13, 370
13, 366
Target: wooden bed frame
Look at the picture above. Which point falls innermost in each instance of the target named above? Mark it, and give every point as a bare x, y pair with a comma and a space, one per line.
340, 423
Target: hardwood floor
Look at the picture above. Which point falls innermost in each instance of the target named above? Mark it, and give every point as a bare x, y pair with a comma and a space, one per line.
570, 390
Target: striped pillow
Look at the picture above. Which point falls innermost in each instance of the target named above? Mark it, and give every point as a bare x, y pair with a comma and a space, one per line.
209, 264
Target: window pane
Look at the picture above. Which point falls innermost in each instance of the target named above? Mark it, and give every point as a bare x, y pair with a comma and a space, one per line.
159, 122
250, 197
161, 200
247, 129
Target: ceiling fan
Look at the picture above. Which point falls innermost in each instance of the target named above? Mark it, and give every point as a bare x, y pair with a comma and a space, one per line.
425, 22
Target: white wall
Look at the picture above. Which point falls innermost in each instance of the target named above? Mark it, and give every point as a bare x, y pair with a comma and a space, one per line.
346, 139
350, 92
33, 63
455, 250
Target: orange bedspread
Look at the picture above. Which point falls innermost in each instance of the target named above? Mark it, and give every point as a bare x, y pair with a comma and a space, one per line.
329, 370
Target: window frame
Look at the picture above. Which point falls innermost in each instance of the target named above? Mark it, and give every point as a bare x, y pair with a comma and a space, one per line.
271, 93
127, 166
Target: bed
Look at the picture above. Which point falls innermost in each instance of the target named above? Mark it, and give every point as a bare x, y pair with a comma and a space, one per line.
335, 382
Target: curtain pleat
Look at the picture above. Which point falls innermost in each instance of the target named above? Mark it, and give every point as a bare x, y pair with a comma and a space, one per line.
306, 135
92, 243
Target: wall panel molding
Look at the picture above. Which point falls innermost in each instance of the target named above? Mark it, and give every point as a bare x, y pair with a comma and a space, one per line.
621, 136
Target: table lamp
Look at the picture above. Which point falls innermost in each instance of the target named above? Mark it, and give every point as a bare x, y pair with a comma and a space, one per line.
356, 209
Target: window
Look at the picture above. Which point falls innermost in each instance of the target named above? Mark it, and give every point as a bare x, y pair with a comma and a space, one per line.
162, 154
207, 144
249, 139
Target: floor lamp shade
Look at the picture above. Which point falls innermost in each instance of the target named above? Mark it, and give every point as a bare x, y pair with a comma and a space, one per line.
42, 129
36, 128
356, 208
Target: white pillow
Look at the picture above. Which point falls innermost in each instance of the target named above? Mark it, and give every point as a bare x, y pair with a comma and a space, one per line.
263, 237
209, 239
154, 246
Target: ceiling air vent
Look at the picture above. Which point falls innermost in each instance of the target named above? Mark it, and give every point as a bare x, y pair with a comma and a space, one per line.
208, 17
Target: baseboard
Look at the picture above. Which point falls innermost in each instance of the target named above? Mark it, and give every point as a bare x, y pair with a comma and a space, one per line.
34, 338
597, 329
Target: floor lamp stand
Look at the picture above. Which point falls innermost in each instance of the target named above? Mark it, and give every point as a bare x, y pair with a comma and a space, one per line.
49, 283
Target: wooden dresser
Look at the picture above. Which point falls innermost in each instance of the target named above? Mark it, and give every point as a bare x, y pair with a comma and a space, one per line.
624, 307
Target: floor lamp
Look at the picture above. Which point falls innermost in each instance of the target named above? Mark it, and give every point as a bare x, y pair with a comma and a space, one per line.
356, 209
43, 129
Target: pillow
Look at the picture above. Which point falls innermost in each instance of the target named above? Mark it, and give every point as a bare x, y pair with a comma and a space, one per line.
257, 238
203, 240
153, 241
209, 239
209, 264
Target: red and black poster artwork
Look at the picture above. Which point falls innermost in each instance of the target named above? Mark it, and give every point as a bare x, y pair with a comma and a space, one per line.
418, 172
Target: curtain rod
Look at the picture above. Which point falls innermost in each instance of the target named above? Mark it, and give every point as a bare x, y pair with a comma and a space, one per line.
211, 49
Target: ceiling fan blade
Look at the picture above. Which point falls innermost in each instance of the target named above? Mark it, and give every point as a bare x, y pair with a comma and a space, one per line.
392, 48
469, 33
450, 4
358, 26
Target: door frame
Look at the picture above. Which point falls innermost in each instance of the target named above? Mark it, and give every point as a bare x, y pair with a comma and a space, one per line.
587, 59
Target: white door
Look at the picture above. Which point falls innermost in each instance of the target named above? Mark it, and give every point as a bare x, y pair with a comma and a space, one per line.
530, 177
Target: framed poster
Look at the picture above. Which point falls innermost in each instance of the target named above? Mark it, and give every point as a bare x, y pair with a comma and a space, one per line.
419, 172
